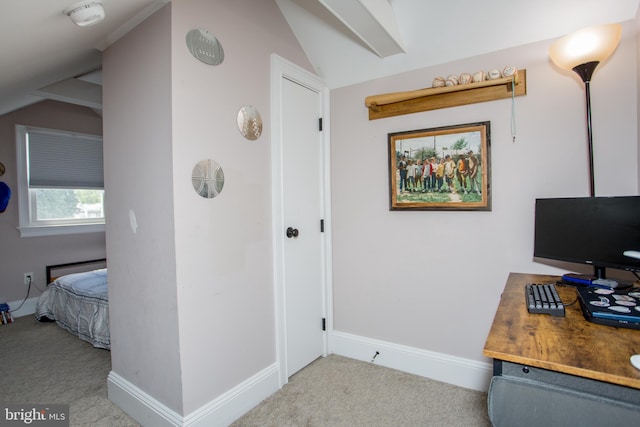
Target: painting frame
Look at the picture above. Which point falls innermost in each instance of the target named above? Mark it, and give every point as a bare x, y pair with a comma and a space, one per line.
463, 148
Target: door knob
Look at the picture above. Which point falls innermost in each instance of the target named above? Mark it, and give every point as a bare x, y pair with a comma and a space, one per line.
292, 232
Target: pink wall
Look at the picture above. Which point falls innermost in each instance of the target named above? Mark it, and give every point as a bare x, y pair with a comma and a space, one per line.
191, 290
224, 260
432, 280
32, 254
637, 32
138, 180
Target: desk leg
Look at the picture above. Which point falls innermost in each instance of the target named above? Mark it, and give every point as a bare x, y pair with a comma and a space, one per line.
497, 367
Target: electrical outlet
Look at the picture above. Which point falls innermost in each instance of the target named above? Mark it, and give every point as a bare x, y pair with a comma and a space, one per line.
28, 278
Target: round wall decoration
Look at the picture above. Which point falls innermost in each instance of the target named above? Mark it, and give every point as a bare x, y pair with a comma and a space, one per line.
250, 122
207, 178
205, 46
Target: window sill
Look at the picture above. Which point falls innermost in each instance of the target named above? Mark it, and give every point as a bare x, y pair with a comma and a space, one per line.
57, 230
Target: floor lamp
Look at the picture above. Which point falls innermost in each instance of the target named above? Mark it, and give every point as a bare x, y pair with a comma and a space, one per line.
581, 52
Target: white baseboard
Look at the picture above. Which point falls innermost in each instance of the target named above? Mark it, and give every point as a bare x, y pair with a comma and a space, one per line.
454, 370
139, 405
221, 411
231, 405
27, 309
238, 401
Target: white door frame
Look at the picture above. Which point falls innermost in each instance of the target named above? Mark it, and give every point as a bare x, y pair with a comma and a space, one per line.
280, 69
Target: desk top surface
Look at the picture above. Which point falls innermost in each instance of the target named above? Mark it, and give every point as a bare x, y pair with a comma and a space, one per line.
569, 344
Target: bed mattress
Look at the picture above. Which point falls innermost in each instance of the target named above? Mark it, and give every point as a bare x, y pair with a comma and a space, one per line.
79, 303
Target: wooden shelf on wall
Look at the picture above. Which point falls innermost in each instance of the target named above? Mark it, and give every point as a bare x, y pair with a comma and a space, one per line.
399, 103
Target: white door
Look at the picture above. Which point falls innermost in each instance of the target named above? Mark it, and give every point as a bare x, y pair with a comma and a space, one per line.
302, 172
300, 194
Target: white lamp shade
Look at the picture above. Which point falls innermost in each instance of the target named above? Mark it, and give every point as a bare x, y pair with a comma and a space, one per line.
85, 13
592, 44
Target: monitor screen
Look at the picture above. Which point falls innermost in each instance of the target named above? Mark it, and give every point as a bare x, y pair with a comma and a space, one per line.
589, 230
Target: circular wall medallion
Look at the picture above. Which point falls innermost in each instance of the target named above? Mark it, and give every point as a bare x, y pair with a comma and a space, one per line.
207, 178
250, 122
205, 46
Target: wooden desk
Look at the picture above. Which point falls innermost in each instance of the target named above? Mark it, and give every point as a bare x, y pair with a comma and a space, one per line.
562, 371
569, 345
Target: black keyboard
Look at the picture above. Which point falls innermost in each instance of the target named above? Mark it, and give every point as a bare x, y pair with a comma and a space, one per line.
543, 298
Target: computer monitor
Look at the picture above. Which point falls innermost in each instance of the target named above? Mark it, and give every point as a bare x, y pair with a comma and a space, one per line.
600, 231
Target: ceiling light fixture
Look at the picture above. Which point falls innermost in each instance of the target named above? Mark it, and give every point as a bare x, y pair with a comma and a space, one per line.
582, 52
85, 13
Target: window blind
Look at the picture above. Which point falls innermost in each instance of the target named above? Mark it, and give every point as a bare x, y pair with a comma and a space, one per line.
59, 160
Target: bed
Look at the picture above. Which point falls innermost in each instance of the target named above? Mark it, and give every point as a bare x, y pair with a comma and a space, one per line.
76, 299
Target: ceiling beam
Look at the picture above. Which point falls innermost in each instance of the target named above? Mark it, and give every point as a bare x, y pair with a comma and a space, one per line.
372, 21
73, 91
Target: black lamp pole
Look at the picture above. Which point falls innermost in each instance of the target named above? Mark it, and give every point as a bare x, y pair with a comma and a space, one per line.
585, 71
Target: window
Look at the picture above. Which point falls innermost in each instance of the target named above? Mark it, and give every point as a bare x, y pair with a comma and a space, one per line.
60, 182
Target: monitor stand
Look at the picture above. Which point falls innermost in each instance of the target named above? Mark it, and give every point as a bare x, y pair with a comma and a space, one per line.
601, 279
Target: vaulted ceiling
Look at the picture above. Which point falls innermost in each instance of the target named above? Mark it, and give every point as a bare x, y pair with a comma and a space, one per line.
44, 55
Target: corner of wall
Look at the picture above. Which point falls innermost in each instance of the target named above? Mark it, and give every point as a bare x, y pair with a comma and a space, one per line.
221, 411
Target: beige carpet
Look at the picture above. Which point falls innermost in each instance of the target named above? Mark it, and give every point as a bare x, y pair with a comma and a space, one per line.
43, 364
337, 391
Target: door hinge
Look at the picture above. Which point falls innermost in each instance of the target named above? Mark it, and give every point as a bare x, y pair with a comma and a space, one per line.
320, 124
324, 324
322, 225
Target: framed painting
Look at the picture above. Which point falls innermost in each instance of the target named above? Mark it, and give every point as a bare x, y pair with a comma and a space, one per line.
445, 168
